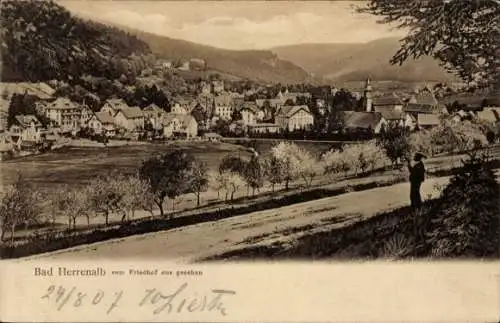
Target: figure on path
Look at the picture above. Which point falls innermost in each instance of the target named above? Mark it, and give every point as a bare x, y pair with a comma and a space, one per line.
417, 176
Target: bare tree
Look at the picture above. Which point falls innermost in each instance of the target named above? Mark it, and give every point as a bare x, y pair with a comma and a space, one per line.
19, 205
72, 202
105, 195
198, 180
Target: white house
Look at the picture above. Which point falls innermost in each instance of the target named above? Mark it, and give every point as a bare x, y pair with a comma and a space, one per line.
26, 128
223, 106
64, 113
102, 123
183, 125
112, 106
294, 117
249, 114
85, 115
398, 118
130, 118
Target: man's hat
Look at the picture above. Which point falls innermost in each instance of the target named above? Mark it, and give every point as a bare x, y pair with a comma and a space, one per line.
420, 155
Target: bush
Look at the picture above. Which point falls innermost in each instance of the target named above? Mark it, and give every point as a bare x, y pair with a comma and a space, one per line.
465, 221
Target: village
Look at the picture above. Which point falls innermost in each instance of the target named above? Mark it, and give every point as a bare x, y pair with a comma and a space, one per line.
214, 111
119, 141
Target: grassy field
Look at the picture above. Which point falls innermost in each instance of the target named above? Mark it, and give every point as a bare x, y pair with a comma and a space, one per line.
75, 166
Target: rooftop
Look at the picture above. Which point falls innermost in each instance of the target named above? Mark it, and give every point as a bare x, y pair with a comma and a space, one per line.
391, 99
26, 120
364, 120
289, 111
424, 119
104, 118
132, 112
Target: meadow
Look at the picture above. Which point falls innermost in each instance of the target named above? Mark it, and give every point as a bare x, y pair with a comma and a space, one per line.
79, 165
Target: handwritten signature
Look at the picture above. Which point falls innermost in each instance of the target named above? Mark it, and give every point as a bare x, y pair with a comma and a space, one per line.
158, 301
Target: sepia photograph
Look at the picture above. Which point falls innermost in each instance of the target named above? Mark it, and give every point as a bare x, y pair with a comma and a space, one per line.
208, 132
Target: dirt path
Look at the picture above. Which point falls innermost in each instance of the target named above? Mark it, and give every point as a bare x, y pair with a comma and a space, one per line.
190, 243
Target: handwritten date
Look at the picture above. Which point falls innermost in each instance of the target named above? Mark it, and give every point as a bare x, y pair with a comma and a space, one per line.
63, 296
179, 301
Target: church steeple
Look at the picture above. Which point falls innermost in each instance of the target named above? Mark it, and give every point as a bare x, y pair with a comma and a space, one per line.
367, 97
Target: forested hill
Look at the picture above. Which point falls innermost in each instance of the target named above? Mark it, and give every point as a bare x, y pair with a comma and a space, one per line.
41, 40
257, 65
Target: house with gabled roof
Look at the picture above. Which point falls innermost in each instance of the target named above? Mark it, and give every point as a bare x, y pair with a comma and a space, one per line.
387, 102
249, 113
112, 106
65, 114
179, 125
423, 102
293, 118
102, 123
129, 118
397, 118
427, 121
224, 106
367, 122
26, 128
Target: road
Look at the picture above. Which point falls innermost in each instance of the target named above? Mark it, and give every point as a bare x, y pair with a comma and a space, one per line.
191, 243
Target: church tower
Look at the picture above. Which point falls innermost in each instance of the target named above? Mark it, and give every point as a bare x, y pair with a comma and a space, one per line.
367, 97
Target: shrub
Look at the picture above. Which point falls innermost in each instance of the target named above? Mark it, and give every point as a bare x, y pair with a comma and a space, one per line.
465, 221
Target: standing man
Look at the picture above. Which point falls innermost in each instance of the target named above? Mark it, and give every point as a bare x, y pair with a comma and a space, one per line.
417, 176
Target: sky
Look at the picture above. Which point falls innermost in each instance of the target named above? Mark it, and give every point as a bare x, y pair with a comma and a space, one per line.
241, 24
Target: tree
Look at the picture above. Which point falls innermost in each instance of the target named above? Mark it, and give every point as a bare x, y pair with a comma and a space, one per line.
463, 35
335, 162
289, 157
106, 195
168, 175
395, 142
19, 205
135, 195
72, 202
198, 180
233, 164
274, 171
236, 115
217, 181
308, 167
233, 181
254, 174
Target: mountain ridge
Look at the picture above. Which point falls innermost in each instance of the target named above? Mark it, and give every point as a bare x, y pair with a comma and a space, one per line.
354, 61
257, 65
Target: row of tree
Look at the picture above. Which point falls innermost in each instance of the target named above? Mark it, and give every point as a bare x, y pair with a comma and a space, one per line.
178, 172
